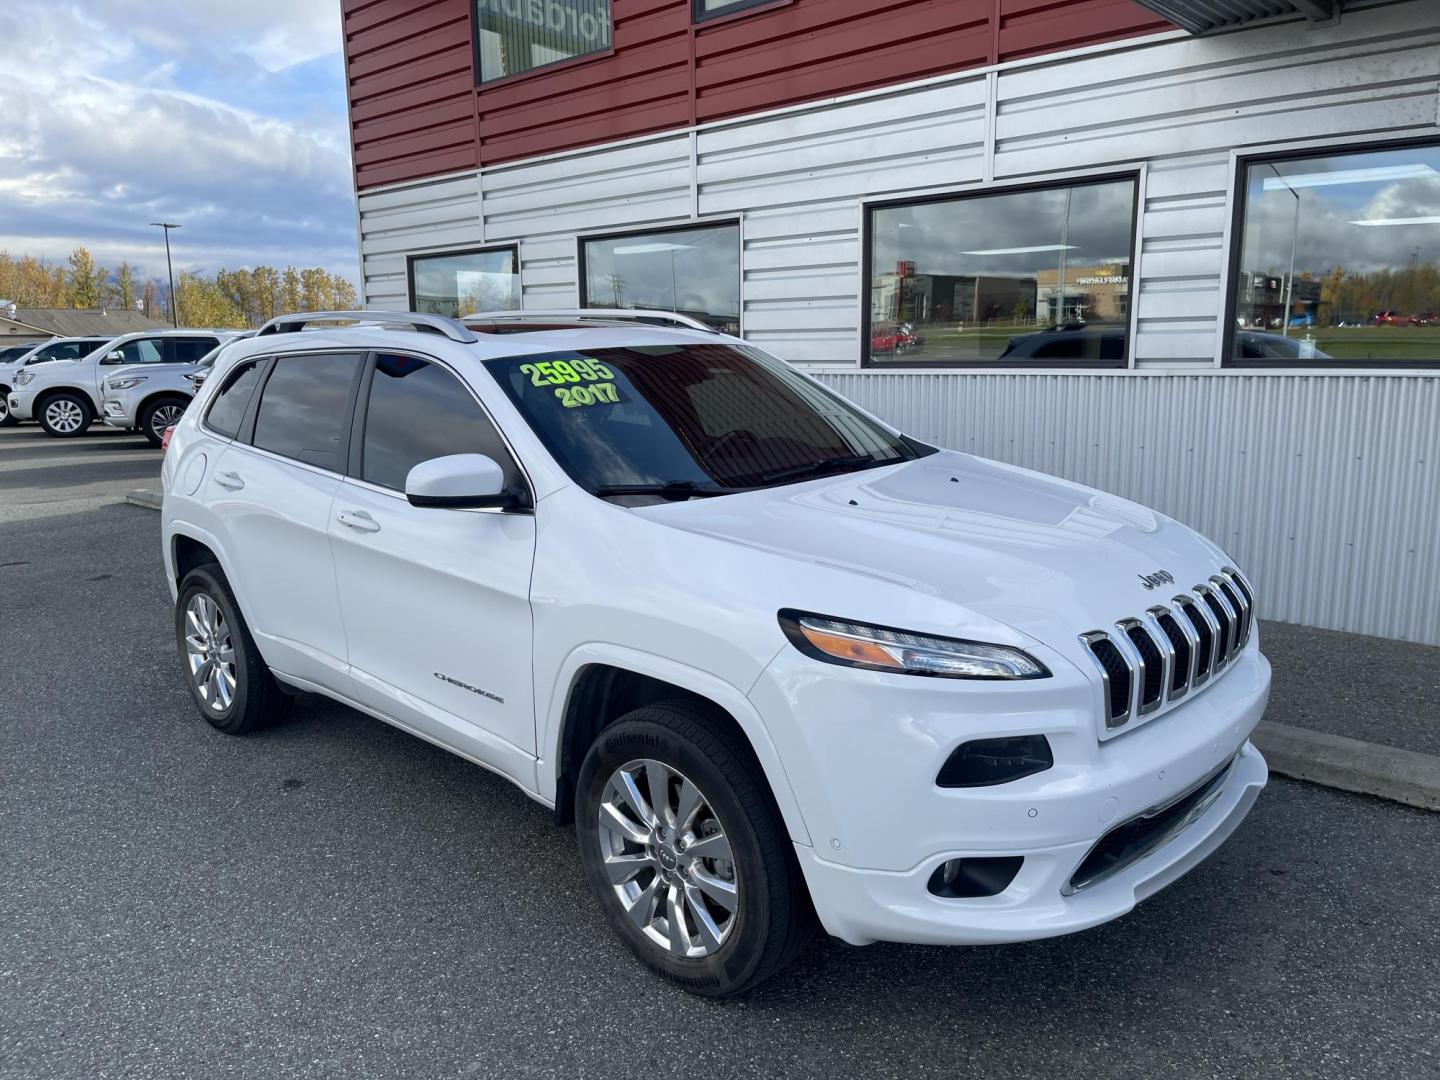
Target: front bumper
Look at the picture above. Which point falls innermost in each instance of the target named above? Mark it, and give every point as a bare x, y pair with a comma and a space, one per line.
862, 753
118, 412
864, 906
21, 404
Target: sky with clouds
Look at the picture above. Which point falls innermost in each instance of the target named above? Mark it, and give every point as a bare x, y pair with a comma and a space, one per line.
227, 117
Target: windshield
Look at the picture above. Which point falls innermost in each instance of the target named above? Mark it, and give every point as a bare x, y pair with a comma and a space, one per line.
681, 421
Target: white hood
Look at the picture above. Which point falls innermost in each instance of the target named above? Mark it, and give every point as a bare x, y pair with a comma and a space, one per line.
1050, 558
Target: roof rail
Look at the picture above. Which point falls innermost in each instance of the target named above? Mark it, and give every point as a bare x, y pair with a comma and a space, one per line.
643, 315
432, 324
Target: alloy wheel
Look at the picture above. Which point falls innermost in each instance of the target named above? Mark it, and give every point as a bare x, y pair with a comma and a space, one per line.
4, 407
668, 858
64, 416
209, 652
165, 416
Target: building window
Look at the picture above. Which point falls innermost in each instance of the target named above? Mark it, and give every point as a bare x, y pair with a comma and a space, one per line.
457, 283
1338, 260
711, 9
692, 271
1031, 276
514, 36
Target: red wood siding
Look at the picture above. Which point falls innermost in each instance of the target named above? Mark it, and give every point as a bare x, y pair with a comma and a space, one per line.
415, 111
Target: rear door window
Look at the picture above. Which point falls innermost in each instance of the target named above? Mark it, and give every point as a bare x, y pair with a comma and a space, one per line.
304, 408
229, 408
189, 350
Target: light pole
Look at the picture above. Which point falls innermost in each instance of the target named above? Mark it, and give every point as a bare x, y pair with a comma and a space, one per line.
1294, 238
169, 267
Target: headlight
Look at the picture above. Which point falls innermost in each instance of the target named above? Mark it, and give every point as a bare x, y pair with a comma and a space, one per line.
878, 648
24, 378
128, 383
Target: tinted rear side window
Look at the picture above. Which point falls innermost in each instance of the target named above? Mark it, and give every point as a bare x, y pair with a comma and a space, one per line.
418, 411
229, 408
188, 350
303, 408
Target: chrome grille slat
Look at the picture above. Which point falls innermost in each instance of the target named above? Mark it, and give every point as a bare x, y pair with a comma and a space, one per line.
1142, 666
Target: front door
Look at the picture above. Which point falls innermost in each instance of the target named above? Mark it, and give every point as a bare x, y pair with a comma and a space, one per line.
436, 603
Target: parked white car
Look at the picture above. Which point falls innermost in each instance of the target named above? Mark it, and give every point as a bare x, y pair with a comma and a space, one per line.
151, 397
39, 352
771, 656
65, 395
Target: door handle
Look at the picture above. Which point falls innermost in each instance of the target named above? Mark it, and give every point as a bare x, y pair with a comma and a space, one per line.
229, 480
358, 520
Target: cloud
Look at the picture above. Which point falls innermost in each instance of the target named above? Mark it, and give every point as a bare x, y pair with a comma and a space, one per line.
226, 118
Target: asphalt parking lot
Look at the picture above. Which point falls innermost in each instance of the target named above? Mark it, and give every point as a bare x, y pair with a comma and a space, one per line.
335, 898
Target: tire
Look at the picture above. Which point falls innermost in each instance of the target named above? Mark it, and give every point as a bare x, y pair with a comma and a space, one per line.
65, 414
766, 917
161, 412
250, 698
6, 420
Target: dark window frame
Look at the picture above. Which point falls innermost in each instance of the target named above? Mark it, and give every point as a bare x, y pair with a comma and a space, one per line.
1239, 201
691, 226
985, 191
482, 84
355, 456
701, 17
420, 256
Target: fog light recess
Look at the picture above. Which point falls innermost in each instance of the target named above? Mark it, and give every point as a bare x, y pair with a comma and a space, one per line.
986, 762
968, 879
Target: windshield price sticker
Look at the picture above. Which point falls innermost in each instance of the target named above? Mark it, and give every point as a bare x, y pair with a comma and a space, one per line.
576, 383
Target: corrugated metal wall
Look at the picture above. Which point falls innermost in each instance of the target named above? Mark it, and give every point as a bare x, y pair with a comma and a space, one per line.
1175, 105
1325, 489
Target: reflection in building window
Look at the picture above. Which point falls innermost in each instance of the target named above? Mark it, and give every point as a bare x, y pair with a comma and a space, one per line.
693, 272
1014, 276
512, 36
462, 283
1340, 258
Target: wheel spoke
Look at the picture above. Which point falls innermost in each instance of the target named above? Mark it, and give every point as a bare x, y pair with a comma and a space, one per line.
711, 847
223, 688
709, 933
628, 791
193, 618
675, 916
657, 781
690, 801
642, 910
723, 893
623, 868
611, 816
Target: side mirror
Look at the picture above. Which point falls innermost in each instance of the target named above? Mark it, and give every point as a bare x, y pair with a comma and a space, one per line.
113, 357
459, 482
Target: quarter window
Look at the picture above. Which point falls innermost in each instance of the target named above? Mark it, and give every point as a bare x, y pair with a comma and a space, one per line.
691, 271
514, 36
1339, 260
418, 411
463, 282
233, 399
189, 350
1030, 276
304, 408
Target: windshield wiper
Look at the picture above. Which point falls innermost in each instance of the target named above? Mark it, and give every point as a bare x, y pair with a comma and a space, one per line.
815, 468
674, 491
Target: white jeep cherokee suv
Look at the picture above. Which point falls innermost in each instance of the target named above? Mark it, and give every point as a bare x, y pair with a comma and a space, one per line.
773, 658
65, 395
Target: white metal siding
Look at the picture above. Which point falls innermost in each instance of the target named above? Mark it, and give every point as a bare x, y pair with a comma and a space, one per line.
1325, 488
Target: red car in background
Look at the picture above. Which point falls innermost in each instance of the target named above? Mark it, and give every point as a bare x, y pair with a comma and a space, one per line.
1392, 318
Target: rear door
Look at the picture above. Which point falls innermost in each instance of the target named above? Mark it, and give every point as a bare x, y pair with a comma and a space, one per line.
271, 492
436, 602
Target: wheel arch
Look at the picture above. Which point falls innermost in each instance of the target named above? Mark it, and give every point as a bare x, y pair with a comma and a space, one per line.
601, 684
160, 395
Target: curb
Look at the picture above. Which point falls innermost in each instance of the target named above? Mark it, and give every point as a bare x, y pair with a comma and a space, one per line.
1403, 776
1333, 761
151, 500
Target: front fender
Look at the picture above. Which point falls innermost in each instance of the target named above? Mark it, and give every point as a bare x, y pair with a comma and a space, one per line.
551, 719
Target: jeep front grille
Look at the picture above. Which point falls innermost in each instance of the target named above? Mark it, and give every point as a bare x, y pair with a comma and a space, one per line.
1150, 661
